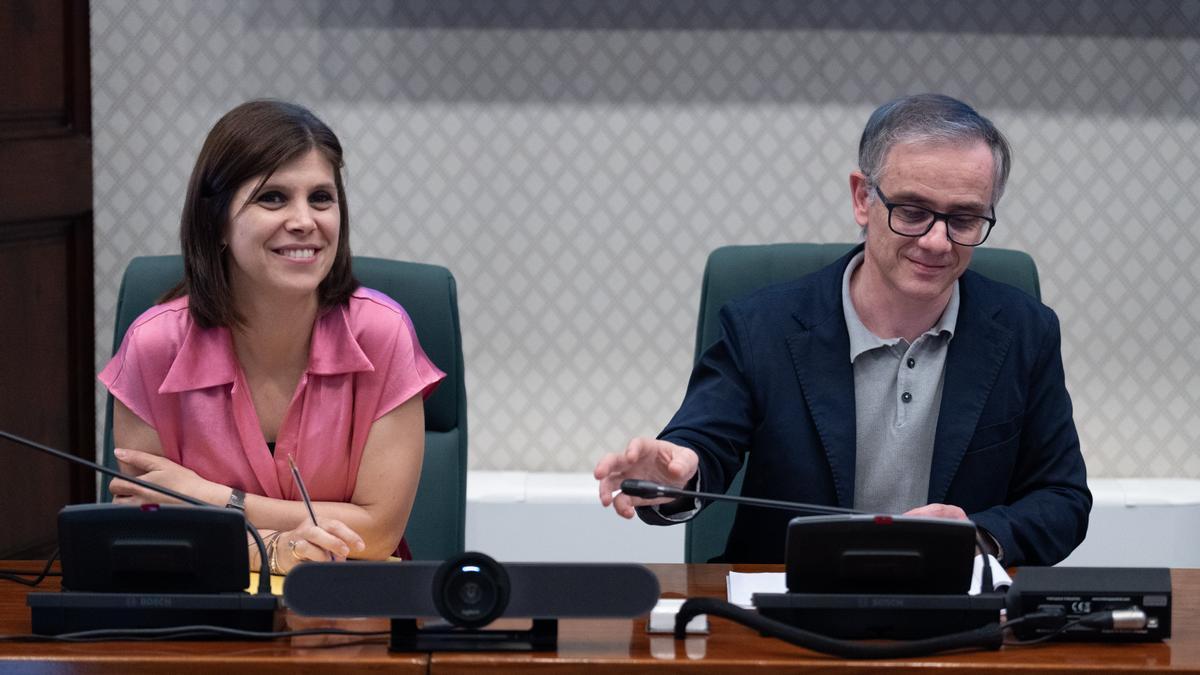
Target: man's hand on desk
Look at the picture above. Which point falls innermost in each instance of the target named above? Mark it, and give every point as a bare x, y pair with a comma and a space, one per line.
947, 511
951, 512
161, 471
644, 459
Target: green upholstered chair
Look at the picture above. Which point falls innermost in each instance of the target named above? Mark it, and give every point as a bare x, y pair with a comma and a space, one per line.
437, 526
733, 271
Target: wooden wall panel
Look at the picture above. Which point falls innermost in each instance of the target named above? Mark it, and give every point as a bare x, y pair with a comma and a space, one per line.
46, 296
32, 46
34, 376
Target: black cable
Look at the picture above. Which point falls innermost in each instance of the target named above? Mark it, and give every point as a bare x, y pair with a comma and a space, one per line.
986, 583
1036, 616
1043, 638
19, 576
1095, 621
990, 636
181, 632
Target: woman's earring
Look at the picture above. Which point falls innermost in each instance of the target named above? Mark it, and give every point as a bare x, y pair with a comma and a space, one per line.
224, 246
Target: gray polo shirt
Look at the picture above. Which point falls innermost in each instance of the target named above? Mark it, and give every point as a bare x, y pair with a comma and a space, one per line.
897, 394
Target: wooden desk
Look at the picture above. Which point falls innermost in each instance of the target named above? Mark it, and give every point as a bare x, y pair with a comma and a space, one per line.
615, 645
625, 646
285, 656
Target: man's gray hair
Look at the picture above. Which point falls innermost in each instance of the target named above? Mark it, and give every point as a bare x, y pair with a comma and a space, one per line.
934, 118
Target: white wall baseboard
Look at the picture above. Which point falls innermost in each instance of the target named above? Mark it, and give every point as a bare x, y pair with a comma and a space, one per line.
1141, 522
518, 516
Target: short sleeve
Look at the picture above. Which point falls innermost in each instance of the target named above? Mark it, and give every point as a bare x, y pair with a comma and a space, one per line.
131, 376
410, 371
405, 369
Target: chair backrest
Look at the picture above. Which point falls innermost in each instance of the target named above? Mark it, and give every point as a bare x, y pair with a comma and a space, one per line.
733, 271
437, 526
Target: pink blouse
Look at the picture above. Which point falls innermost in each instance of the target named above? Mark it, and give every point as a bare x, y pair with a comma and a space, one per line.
186, 383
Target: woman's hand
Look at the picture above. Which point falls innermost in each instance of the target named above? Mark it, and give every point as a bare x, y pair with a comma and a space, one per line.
310, 542
161, 471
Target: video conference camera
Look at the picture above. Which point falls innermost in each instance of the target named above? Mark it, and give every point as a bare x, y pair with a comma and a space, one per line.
469, 592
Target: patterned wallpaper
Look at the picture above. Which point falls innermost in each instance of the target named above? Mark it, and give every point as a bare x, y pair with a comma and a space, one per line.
573, 163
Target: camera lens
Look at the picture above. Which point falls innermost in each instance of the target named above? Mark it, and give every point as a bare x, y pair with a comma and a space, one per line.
471, 590
474, 590
470, 593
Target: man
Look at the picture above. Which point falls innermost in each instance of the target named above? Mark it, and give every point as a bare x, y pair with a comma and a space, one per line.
894, 380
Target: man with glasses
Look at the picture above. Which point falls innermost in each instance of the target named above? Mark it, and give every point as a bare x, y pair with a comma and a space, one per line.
894, 380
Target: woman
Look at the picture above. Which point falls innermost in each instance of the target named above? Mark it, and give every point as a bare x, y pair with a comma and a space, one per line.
269, 348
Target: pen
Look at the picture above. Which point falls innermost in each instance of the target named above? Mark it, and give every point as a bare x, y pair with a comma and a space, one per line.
304, 493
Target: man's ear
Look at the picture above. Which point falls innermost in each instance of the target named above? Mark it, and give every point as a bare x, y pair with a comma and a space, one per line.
860, 196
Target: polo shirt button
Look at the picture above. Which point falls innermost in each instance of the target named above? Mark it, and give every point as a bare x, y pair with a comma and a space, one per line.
906, 397
912, 363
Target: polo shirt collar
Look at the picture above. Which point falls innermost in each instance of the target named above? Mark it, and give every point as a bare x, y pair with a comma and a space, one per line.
207, 359
863, 340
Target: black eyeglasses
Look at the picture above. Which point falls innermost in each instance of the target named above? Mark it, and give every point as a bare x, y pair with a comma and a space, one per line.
910, 220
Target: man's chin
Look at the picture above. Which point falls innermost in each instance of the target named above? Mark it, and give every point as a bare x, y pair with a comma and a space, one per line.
926, 289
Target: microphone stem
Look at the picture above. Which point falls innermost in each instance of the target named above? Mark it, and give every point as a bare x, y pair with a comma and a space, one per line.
765, 503
103, 469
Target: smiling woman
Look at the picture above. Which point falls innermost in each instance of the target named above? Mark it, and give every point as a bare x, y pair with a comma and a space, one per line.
268, 349
283, 233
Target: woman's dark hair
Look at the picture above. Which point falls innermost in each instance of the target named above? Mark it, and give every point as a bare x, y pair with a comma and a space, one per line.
251, 141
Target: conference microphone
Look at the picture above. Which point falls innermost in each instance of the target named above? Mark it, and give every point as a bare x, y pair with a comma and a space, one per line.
647, 489
264, 580
851, 574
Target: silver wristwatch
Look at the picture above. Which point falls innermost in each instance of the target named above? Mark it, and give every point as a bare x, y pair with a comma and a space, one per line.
237, 500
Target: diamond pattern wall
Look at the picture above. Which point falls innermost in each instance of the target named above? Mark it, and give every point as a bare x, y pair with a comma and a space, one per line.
573, 163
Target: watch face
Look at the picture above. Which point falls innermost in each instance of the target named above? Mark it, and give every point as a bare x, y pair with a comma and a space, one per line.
237, 500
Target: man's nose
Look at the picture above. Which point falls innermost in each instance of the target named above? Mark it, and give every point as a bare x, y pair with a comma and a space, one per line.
938, 236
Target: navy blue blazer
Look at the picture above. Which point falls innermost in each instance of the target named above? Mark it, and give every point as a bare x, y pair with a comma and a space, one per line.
777, 391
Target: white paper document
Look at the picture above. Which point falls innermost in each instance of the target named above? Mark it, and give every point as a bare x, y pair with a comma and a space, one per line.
741, 586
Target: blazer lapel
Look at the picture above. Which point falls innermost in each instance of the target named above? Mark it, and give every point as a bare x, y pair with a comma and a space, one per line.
973, 362
821, 359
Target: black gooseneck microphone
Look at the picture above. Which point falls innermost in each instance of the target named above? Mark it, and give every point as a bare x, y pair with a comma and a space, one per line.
647, 489
264, 580
651, 490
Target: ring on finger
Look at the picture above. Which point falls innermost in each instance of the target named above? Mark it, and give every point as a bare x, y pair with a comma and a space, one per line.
292, 547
